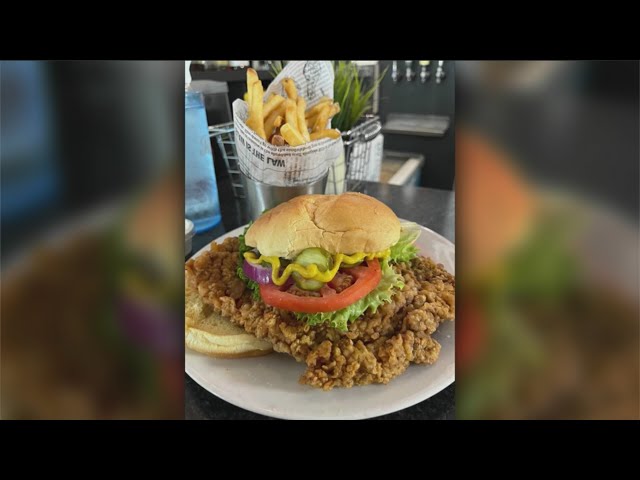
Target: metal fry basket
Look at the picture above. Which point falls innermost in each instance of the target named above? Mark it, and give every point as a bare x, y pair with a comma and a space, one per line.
224, 135
357, 155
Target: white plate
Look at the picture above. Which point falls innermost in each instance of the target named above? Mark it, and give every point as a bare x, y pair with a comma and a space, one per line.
269, 385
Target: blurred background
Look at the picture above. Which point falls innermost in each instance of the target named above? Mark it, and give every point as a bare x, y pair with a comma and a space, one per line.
547, 228
92, 196
92, 192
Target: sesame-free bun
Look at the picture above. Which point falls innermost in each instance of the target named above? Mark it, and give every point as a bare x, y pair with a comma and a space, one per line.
207, 332
347, 223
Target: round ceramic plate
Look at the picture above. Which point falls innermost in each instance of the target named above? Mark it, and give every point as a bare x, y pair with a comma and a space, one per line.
269, 385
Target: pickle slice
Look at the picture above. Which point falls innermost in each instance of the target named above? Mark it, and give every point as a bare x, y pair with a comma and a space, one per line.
307, 257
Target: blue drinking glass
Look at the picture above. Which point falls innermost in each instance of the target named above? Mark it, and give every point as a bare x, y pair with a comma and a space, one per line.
202, 205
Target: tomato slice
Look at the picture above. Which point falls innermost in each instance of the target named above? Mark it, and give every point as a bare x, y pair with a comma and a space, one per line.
367, 278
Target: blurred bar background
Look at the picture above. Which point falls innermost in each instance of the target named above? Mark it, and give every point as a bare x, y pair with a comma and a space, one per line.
547, 229
91, 159
92, 200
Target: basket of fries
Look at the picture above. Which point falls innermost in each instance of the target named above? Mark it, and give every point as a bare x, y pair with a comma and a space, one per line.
283, 136
353, 165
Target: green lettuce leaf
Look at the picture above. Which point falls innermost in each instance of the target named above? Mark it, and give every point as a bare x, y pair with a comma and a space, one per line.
381, 294
405, 250
253, 286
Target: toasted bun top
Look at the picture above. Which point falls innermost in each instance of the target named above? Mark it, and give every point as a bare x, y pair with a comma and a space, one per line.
347, 223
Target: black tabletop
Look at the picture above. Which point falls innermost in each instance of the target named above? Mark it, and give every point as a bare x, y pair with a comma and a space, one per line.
434, 209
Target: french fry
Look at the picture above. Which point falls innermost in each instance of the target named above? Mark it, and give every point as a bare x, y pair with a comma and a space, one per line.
291, 114
291, 135
313, 111
302, 124
332, 133
277, 140
252, 77
335, 109
322, 118
310, 121
270, 105
272, 124
255, 121
269, 123
282, 121
290, 87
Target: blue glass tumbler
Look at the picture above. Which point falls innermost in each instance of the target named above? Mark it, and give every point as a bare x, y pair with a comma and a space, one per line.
202, 205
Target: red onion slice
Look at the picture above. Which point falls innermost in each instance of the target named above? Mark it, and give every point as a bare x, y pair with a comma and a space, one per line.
257, 273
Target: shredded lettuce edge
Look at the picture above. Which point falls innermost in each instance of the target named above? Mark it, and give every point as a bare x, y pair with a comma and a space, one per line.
405, 250
253, 286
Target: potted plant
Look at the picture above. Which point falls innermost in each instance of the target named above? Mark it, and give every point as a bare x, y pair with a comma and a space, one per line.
354, 104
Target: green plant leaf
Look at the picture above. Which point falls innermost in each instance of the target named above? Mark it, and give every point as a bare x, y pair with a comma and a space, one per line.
276, 68
348, 91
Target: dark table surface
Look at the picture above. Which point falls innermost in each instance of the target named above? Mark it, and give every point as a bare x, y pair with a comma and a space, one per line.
435, 209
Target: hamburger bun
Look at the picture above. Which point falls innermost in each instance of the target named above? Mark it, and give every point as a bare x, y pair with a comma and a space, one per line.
209, 333
347, 223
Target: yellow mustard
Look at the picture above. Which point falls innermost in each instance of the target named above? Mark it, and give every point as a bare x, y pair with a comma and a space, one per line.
311, 272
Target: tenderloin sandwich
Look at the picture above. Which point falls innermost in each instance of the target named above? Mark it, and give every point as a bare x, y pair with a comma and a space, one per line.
327, 257
336, 282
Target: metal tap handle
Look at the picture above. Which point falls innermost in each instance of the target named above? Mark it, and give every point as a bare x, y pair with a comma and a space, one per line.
409, 73
424, 71
440, 73
395, 74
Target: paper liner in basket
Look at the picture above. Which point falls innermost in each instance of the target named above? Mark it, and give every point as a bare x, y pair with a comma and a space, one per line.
286, 165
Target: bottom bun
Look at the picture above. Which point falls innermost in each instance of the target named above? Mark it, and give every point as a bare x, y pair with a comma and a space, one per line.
214, 335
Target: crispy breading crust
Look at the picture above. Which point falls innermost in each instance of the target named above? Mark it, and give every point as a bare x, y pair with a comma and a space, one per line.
376, 348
